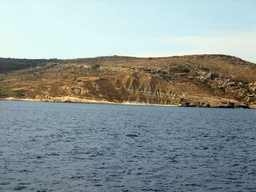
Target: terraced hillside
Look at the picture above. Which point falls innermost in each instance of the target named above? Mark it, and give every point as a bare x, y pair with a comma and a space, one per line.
197, 80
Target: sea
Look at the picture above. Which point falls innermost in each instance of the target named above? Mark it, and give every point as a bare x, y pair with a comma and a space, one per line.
46, 146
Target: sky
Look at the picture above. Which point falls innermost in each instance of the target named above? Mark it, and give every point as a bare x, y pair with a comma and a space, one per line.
67, 29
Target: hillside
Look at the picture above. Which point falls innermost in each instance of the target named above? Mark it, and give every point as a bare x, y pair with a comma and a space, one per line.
196, 80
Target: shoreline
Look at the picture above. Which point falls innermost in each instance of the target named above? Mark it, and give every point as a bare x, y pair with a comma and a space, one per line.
86, 101
68, 99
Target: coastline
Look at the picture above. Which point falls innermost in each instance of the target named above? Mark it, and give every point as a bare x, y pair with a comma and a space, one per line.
78, 100
68, 99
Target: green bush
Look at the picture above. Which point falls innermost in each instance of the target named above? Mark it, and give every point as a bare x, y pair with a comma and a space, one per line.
96, 66
7, 92
180, 69
205, 69
195, 74
164, 76
183, 75
20, 94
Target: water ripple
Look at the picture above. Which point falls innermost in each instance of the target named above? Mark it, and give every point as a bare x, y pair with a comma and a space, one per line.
86, 147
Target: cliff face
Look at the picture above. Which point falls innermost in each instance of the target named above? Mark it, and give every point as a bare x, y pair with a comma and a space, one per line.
200, 80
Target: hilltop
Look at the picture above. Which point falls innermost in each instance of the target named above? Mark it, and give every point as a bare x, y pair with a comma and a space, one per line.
194, 80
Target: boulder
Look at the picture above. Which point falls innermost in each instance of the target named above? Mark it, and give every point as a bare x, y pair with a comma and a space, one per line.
240, 105
205, 105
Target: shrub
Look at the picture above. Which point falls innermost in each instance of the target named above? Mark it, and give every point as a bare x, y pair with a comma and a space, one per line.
183, 75
205, 69
20, 94
195, 74
96, 66
180, 69
7, 92
164, 76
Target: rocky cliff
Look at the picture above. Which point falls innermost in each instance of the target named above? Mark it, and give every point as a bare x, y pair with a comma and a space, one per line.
189, 81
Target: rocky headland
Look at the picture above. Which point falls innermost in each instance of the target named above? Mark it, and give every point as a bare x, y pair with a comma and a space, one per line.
189, 81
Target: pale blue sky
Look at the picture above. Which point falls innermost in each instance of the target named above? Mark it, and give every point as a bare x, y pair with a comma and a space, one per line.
69, 29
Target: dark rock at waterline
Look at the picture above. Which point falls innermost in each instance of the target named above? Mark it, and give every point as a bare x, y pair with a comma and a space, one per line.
214, 104
131, 135
241, 105
18, 188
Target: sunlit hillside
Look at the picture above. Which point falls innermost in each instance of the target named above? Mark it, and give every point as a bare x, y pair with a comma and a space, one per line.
195, 80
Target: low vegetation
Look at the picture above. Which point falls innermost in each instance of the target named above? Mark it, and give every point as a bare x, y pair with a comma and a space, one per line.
95, 66
205, 69
196, 74
5, 91
180, 69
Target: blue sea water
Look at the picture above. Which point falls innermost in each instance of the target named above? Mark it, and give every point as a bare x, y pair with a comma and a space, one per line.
97, 147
